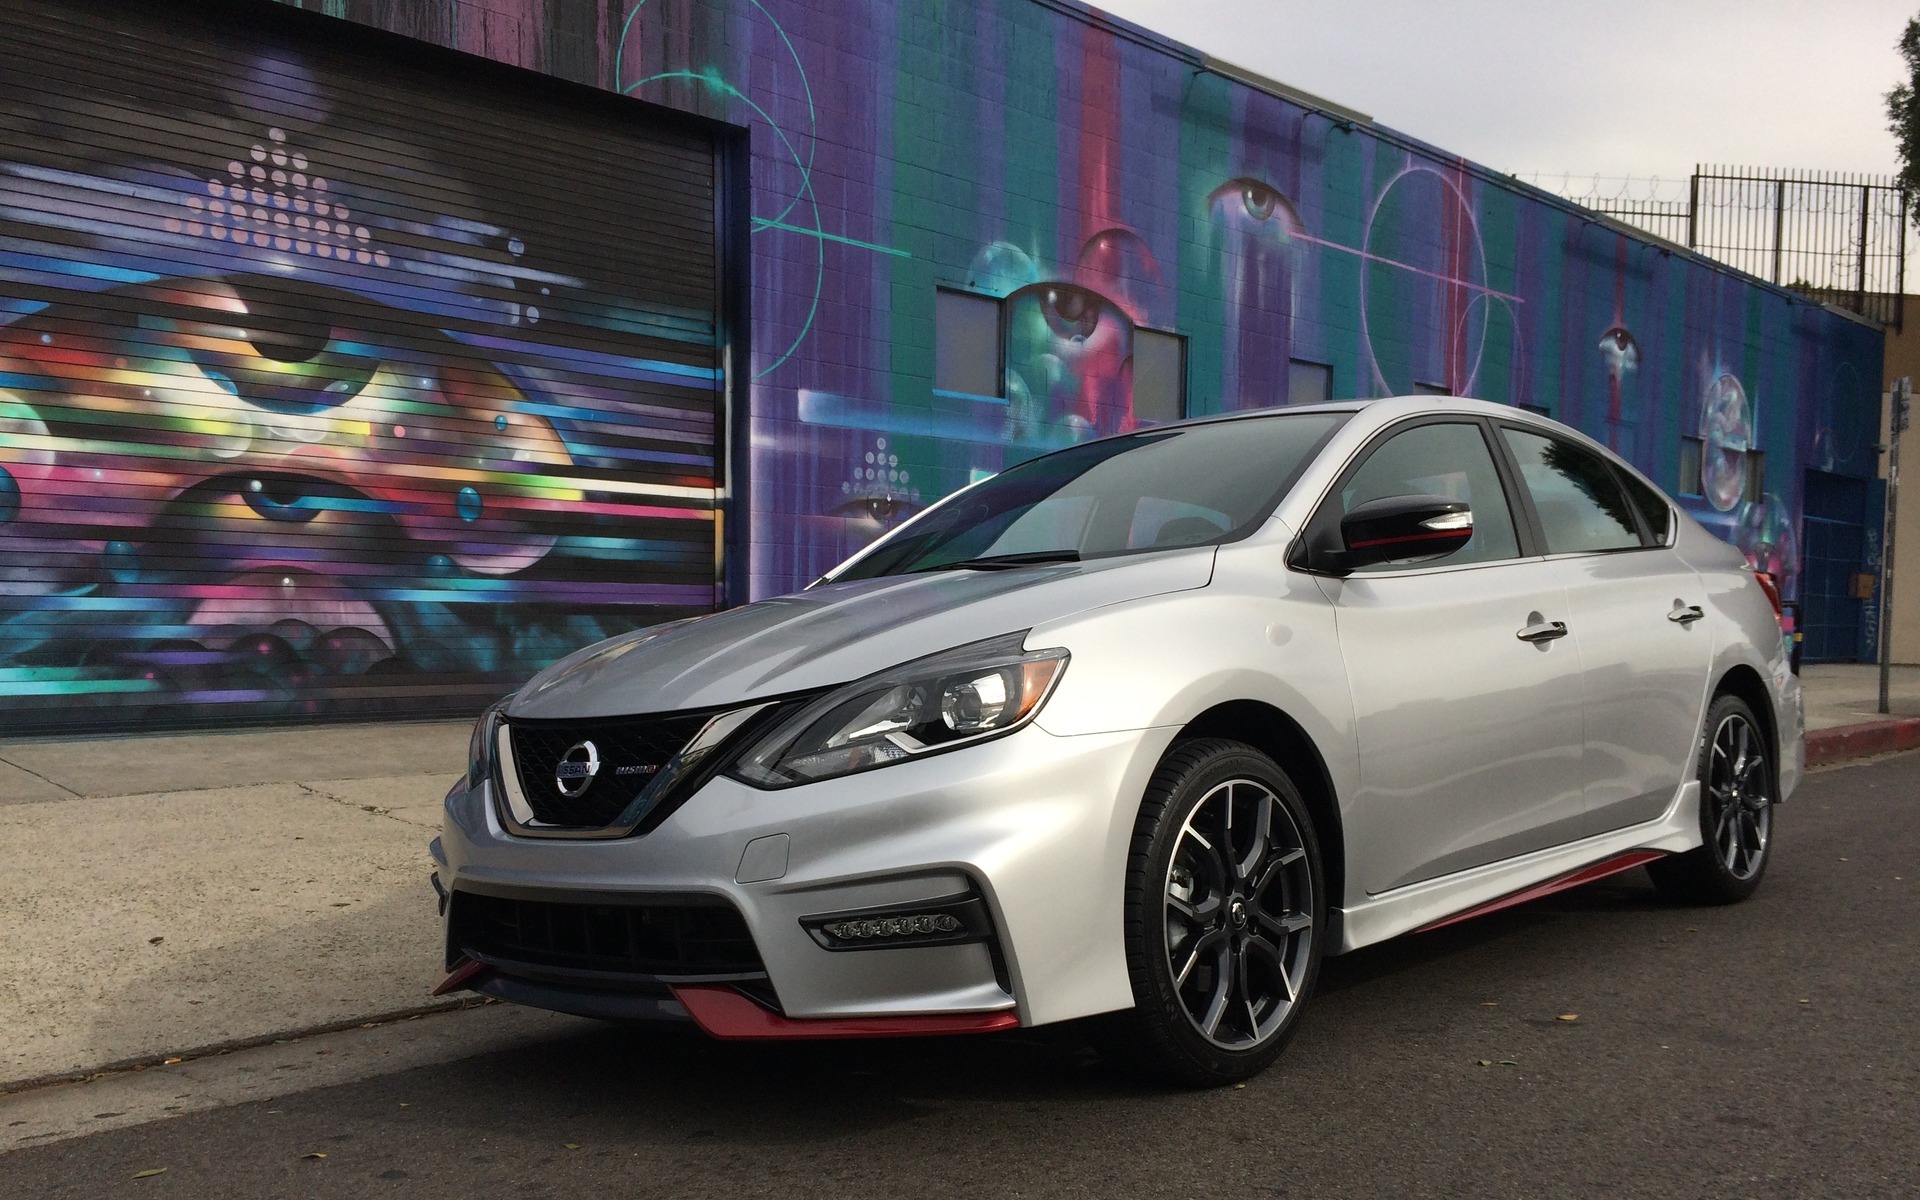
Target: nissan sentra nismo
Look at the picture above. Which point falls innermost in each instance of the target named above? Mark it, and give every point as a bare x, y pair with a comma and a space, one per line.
1143, 727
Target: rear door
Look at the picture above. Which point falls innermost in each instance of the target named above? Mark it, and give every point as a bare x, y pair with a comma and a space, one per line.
1469, 736
1634, 606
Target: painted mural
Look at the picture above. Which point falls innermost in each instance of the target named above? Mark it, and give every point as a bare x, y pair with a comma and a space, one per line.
301, 414
1092, 178
1100, 181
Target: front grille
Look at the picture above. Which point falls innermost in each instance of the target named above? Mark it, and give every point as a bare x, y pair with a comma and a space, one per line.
631, 751
679, 935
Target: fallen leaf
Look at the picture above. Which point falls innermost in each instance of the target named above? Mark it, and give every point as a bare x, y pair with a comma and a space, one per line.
1806, 1002
1508, 1062
1239, 1086
155, 941
1486, 1062
149, 1173
1569, 1016
314, 1154
171, 1061
571, 1145
1489, 1004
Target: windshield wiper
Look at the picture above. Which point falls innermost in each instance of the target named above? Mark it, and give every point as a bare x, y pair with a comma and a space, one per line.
1001, 562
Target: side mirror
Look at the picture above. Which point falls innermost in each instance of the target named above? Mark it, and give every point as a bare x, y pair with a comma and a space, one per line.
1398, 527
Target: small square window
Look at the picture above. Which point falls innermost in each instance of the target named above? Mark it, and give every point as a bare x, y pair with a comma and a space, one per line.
966, 351
1756, 475
1159, 376
1692, 450
1308, 382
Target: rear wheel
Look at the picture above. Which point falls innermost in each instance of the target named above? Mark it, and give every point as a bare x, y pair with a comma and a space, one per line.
1737, 791
1226, 910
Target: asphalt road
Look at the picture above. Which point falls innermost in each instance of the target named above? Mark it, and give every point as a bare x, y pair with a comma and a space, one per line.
1768, 1049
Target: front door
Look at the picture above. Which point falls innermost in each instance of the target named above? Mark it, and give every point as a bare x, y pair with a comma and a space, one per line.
1469, 734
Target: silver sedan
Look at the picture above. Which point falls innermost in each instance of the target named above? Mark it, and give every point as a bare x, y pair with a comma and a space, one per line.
1138, 730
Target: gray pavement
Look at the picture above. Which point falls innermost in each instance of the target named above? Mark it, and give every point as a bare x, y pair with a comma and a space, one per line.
1841, 694
163, 894
1756, 1051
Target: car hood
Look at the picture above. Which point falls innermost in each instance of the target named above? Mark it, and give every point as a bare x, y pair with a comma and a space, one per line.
836, 633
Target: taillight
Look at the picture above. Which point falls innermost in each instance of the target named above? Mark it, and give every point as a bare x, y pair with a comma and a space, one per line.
1772, 590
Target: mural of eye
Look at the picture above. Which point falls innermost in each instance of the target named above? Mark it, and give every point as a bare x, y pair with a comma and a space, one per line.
1070, 360
1255, 206
281, 498
1070, 312
878, 493
1258, 234
1619, 350
885, 509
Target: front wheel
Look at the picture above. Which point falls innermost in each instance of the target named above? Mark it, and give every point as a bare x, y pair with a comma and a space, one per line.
1737, 791
1225, 916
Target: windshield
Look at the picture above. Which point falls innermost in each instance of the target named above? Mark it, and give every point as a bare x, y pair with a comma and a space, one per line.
1190, 485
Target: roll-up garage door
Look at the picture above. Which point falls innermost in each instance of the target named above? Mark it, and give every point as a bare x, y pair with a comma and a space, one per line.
335, 381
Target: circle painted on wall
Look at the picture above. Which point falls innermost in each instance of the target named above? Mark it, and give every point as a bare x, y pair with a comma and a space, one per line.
1726, 427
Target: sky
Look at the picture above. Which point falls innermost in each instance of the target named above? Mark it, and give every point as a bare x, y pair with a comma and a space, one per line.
1544, 88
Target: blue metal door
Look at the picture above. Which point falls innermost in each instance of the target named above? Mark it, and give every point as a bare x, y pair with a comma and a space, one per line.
1835, 529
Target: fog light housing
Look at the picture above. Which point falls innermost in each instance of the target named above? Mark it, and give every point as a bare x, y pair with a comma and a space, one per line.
945, 921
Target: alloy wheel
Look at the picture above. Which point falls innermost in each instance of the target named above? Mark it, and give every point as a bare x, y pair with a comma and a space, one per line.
1239, 914
1739, 806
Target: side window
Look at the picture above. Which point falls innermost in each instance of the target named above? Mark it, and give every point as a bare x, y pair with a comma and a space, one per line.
1444, 459
1655, 513
1581, 505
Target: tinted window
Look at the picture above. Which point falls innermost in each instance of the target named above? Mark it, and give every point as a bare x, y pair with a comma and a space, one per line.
1450, 460
1185, 486
1653, 508
1581, 505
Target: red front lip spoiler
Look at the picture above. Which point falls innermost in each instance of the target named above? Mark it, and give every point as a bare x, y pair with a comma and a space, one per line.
723, 1013
458, 977
1572, 879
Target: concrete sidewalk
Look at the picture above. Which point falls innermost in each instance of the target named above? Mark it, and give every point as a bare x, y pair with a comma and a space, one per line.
1843, 711
161, 895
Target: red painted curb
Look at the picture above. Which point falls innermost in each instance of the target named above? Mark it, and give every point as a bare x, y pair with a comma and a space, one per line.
1859, 741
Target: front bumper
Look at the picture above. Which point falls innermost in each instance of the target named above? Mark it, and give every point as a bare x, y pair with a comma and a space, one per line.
1036, 825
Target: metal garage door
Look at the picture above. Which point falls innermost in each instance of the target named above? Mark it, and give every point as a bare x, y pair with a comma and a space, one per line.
339, 375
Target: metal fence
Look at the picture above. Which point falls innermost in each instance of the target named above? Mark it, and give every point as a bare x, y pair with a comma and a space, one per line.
1838, 238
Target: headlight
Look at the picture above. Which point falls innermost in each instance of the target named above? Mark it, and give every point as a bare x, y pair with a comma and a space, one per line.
954, 698
480, 745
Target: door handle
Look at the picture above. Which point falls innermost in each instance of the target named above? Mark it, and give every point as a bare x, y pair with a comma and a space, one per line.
1685, 614
1543, 631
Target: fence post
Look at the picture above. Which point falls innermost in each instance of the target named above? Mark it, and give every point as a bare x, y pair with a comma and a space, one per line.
1693, 207
1779, 224
1900, 270
1860, 278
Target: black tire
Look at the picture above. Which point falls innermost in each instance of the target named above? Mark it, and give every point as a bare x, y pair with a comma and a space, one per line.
1248, 925
1737, 796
